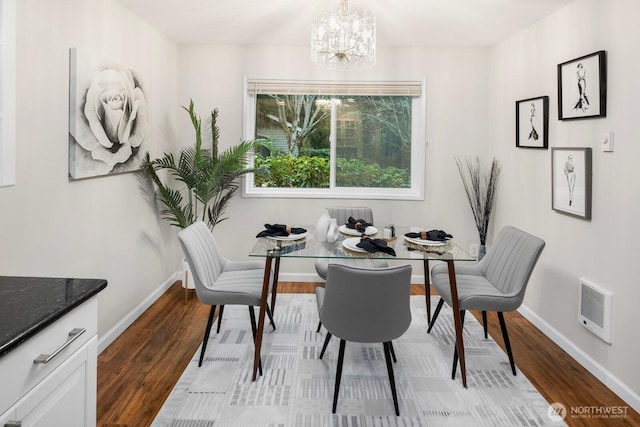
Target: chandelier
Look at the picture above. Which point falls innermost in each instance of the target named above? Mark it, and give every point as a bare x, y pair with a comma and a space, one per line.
344, 39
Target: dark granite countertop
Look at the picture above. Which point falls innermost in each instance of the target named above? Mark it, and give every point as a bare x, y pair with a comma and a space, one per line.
29, 304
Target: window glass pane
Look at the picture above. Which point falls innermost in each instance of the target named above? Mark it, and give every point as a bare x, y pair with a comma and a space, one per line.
298, 128
373, 145
371, 140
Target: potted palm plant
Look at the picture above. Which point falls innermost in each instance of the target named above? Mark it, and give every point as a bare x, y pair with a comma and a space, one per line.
481, 191
200, 182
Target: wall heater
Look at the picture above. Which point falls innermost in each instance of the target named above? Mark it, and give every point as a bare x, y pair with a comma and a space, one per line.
594, 309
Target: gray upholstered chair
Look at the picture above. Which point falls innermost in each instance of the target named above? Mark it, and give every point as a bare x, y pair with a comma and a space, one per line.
496, 283
366, 306
342, 214
218, 280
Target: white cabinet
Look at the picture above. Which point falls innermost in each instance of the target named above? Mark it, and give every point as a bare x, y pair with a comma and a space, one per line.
63, 398
61, 392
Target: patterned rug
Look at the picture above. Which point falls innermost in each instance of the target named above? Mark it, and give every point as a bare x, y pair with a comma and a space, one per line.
297, 387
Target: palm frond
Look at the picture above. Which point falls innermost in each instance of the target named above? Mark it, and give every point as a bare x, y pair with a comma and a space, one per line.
197, 124
173, 211
215, 133
210, 178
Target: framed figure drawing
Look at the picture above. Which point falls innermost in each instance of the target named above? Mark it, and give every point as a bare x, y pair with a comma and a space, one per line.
571, 181
532, 122
582, 87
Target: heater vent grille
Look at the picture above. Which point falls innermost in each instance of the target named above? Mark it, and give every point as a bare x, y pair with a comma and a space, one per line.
595, 306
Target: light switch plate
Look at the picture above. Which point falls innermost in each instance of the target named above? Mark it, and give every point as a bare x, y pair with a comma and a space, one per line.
606, 141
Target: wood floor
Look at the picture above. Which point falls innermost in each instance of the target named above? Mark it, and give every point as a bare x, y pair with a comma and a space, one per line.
138, 370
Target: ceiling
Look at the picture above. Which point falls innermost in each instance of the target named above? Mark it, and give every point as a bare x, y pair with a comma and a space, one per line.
407, 23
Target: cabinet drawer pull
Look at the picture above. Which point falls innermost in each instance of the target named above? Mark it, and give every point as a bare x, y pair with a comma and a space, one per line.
73, 335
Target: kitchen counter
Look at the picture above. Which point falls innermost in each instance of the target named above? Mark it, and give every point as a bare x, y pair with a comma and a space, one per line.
30, 304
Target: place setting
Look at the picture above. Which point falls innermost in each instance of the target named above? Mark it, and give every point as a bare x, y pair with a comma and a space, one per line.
283, 233
367, 245
286, 238
358, 227
435, 241
360, 240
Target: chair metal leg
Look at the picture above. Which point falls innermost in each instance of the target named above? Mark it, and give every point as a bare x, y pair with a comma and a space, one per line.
507, 344
319, 326
392, 380
455, 349
393, 353
206, 334
252, 316
484, 324
326, 343
435, 314
273, 325
220, 318
338, 374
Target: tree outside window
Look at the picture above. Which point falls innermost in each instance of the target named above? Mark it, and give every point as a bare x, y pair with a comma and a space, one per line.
366, 141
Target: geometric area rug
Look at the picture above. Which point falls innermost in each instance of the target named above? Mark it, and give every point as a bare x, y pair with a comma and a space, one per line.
296, 388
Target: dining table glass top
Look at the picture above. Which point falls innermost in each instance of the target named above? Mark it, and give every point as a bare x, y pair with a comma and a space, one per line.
307, 245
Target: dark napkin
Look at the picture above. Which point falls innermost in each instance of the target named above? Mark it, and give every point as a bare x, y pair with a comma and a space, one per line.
375, 245
435, 235
279, 230
357, 224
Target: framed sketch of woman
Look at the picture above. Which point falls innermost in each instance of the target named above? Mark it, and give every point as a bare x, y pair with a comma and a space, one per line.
532, 122
571, 181
582, 87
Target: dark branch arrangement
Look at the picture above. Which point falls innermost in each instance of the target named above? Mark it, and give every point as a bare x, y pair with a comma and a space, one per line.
481, 191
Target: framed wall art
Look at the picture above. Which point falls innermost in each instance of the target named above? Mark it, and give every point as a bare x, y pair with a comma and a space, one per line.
571, 181
108, 117
582, 87
532, 122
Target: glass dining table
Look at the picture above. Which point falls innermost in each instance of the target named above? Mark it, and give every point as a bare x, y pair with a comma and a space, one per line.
306, 245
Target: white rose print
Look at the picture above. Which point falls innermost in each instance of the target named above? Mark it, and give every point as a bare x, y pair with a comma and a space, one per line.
109, 120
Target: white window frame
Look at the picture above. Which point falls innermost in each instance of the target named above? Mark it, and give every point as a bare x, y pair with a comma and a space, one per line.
418, 139
8, 91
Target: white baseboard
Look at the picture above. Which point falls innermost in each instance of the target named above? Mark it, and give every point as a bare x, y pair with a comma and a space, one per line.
113, 333
600, 372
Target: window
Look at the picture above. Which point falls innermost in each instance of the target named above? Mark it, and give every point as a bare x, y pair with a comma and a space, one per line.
7, 93
336, 139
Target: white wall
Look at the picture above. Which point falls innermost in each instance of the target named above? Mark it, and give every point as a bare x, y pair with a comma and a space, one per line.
603, 250
457, 94
101, 227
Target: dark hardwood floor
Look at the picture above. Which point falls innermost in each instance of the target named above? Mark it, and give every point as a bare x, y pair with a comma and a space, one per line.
138, 370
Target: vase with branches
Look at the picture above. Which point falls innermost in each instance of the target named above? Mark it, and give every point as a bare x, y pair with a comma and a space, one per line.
480, 187
201, 182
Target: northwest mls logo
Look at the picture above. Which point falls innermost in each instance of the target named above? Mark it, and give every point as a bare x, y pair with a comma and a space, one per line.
557, 412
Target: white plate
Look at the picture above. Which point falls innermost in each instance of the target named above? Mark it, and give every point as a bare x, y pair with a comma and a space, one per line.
290, 237
369, 231
351, 244
424, 242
